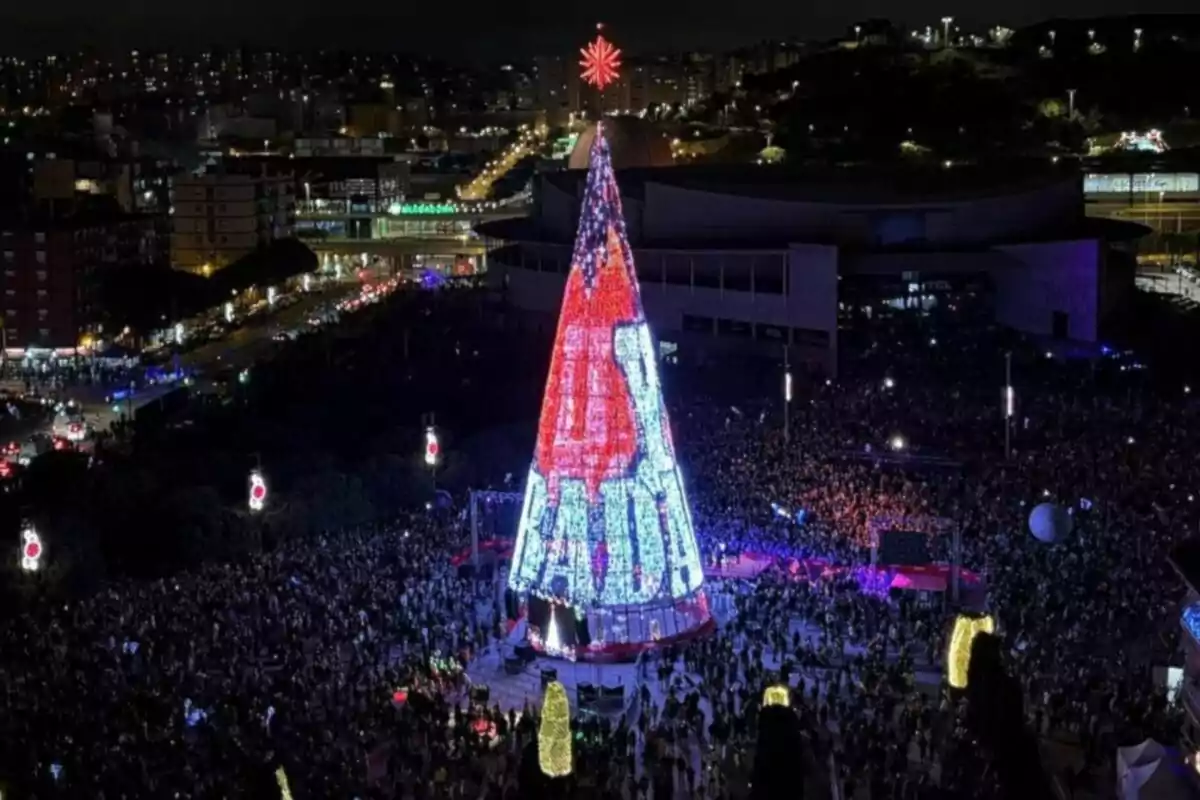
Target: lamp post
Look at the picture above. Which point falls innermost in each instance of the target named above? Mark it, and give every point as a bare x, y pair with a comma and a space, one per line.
1071, 104
946, 22
1010, 402
787, 396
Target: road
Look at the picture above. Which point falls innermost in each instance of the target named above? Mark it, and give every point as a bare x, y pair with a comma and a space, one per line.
239, 349
481, 186
244, 346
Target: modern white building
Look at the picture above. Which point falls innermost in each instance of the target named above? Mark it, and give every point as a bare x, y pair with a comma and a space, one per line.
750, 257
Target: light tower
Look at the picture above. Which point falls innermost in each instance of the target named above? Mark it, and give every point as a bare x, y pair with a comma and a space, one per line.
605, 554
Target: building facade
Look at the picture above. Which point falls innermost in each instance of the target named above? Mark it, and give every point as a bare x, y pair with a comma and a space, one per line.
217, 218
754, 258
49, 270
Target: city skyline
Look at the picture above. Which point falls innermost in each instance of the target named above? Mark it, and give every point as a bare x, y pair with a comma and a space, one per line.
489, 33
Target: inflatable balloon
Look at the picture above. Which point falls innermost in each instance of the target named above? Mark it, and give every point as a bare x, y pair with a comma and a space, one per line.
1049, 522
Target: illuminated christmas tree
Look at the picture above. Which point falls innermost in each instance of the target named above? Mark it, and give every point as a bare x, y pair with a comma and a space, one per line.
605, 528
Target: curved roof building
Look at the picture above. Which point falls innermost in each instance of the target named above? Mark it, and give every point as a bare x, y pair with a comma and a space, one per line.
746, 256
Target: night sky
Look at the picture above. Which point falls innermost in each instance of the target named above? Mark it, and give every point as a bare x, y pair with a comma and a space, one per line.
473, 30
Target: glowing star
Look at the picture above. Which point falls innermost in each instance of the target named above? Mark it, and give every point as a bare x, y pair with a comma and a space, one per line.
605, 523
958, 655
601, 62
554, 733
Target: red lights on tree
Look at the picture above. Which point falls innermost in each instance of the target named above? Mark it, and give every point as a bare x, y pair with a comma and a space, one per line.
605, 527
601, 62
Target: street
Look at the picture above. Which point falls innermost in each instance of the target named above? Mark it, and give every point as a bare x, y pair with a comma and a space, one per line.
241, 348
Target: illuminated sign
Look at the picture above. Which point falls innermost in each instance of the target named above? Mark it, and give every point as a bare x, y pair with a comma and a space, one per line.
1124, 183
418, 209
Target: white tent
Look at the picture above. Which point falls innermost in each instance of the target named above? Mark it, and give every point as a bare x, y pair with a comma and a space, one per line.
1147, 771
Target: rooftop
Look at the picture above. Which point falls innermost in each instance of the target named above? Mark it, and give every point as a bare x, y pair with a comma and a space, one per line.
860, 185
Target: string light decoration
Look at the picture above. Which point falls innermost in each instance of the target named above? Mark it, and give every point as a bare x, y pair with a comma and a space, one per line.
601, 61
605, 522
258, 492
554, 733
958, 655
31, 550
776, 696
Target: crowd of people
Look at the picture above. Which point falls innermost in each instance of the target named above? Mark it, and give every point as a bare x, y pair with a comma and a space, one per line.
340, 658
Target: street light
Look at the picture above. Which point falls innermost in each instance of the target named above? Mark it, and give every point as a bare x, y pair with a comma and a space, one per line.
787, 395
946, 21
1010, 404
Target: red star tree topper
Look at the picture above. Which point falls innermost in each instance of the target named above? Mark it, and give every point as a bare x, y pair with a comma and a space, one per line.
601, 61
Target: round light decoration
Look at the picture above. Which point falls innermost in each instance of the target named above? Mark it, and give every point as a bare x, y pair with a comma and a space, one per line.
258, 491
31, 550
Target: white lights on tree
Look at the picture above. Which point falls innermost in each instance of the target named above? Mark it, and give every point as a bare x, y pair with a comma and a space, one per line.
432, 448
31, 550
258, 491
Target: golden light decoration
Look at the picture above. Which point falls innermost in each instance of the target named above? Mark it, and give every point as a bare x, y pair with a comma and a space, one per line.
776, 696
958, 655
554, 733
285, 793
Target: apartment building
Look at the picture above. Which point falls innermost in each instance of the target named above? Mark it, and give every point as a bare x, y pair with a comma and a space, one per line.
216, 218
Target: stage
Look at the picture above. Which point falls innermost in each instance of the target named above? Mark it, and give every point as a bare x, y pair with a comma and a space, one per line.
515, 690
